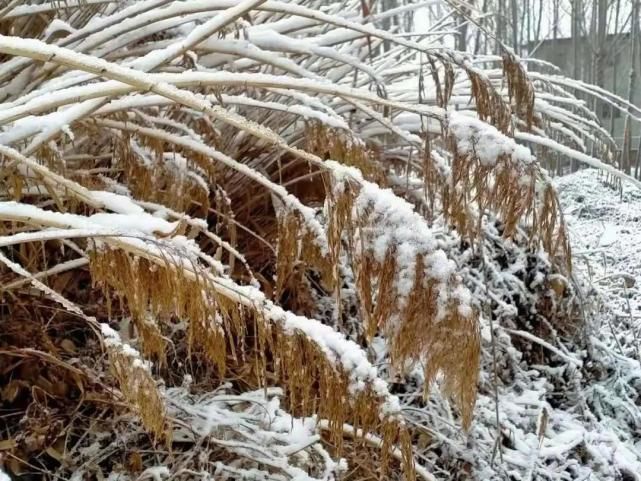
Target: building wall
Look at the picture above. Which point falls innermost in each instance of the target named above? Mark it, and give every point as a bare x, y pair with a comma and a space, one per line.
560, 52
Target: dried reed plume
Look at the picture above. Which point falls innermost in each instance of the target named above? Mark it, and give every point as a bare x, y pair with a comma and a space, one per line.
230, 190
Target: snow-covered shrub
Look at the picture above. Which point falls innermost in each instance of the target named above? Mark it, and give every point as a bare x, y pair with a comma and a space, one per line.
200, 200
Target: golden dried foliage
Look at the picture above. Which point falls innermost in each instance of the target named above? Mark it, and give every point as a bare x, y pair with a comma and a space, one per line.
139, 389
336, 145
162, 292
156, 180
296, 244
256, 191
416, 323
520, 89
490, 105
238, 338
549, 227
507, 188
517, 193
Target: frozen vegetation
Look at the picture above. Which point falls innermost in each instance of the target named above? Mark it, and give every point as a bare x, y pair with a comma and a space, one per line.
290, 240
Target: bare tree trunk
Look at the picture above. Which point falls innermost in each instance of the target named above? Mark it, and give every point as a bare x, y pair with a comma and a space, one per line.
575, 38
500, 26
638, 159
386, 24
615, 66
524, 34
601, 13
515, 30
634, 48
463, 27
602, 20
555, 19
637, 169
593, 48
477, 41
575, 53
537, 32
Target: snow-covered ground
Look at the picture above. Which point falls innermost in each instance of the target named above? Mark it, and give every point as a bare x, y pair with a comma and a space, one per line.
569, 402
605, 230
604, 225
578, 417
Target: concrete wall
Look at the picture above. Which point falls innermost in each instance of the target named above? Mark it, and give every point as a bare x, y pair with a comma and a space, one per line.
560, 52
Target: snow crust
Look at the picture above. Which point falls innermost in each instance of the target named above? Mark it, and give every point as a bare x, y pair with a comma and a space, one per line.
486, 142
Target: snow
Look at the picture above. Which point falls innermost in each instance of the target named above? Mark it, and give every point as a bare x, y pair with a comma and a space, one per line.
155, 473
267, 38
334, 344
127, 224
581, 157
394, 227
338, 349
112, 339
608, 237
254, 425
605, 234
117, 203
485, 141
61, 96
302, 110
590, 390
604, 225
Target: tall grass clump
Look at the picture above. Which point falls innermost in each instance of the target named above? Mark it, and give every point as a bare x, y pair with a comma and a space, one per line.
227, 226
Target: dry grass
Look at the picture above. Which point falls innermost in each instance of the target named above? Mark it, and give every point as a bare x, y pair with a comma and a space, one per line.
262, 196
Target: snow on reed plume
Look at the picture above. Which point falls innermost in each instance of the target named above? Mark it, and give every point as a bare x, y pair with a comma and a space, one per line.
196, 176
